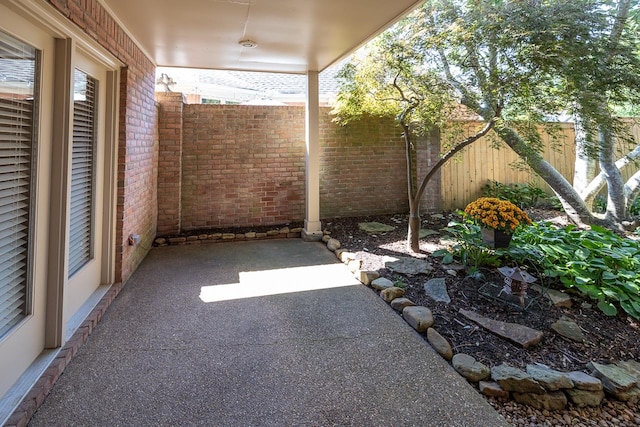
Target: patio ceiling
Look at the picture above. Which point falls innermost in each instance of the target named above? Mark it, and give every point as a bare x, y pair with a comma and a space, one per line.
292, 36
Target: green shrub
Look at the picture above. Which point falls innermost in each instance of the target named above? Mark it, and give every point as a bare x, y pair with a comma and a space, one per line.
522, 195
598, 263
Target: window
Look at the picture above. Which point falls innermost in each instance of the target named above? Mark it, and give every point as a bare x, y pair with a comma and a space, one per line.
19, 77
82, 171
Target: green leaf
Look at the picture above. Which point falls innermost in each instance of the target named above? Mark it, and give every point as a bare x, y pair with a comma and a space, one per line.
607, 308
630, 309
447, 259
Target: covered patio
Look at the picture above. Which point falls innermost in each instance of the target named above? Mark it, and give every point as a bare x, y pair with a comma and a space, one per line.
57, 299
261, 333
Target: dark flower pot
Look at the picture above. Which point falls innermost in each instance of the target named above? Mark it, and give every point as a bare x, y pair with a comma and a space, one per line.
495, 238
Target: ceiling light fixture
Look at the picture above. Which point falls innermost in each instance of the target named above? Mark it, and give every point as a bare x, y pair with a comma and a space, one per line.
248, 43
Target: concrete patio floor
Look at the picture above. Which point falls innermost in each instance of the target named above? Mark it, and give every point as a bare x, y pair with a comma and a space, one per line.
263, 333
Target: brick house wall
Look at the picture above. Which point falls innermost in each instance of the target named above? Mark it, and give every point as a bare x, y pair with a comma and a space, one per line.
137, 145
239, 166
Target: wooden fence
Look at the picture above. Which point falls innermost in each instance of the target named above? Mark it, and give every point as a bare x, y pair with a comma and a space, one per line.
489, 159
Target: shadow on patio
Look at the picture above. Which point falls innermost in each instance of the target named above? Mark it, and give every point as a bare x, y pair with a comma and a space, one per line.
267, 333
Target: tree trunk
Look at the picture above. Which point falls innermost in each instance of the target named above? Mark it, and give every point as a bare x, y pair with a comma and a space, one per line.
585, 165
616, 206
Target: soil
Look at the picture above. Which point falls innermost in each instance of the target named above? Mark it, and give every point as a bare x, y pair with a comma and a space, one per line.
609, 339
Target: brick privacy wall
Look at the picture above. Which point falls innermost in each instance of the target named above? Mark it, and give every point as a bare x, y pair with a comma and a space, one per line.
137, 146
242, 166
170, 109
362, 168
245, 166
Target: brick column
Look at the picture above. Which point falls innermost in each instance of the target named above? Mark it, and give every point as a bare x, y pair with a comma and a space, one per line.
170, 106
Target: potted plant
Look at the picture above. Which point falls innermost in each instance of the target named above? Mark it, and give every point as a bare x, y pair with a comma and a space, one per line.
498, 219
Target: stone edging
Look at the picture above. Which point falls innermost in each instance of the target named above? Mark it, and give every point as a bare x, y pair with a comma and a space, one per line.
280, 233
539, 386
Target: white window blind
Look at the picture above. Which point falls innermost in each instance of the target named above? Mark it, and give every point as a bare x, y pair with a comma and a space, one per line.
82, 171
18, 94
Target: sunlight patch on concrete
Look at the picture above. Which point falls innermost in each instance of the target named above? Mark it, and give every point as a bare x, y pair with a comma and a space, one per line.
280, 281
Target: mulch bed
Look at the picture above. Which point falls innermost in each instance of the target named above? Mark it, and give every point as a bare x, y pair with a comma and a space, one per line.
609, 339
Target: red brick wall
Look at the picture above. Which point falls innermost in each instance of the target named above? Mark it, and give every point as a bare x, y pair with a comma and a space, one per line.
362, 168
245, 166
170, 109
242, 165
137, 149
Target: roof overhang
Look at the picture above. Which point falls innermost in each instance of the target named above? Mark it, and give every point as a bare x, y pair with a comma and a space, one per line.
292, 36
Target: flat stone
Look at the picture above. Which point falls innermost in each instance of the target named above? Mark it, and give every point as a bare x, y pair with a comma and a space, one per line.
392, 293
381, 283
333, 245
550, 379
568, 329
493, 389
616, 381
375, 227
554, 401
399, 304
632, 367
409, 266
584, 381
522, 335
557, 298
418, 317
345, 256
437, 290
354, 265
424, 232
273, 232
215, 236
174, 240
160, 241
366, 277
516, 380
470, 368
612, 376
250, 235
439, 344
582, 398
228, 236
325, 238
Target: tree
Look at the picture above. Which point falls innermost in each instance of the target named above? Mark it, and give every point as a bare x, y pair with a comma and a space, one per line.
518, 65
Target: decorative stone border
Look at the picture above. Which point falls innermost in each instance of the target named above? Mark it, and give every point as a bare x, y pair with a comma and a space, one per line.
538, 386
280, 233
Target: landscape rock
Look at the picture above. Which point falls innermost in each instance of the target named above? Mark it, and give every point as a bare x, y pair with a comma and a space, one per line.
333, 245
582, 398
381, 283
354, 265
366, 277
493, 389
550, 379
424, 232
632, 367
553, 401
418, 317
399, 304
437, 290
516, 380
568, 329
584, 381
345, 256
439, 344
616, 381
557, 298
522, 335
375, 227
392, 293
470, 368
409, 266
326, 238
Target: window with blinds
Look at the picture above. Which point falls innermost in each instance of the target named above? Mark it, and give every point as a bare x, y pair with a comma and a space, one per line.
19, 77
82, 171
